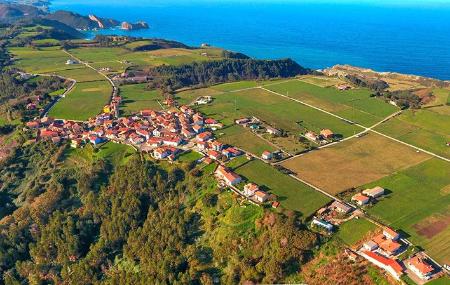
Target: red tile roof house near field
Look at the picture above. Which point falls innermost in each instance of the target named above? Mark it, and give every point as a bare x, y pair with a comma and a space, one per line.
311, 136
261, 196
214, 154
341, 207
420, 267
390, 265
360, 199
267, 155
327, 133
250, 189
228, 176
391, 234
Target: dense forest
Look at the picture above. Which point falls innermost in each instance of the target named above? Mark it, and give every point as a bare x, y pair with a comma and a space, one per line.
136, 222
220, 71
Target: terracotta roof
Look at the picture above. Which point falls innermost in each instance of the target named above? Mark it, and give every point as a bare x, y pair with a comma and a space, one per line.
260, 194
326, 132
360, 197
390, 231
421, 264
227, 174
385, 261
389, 245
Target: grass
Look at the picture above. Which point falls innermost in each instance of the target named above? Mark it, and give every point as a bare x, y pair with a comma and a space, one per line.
426, 128
277, 111
355, 105
116, 154
189, 156
441, 281
40, 60
81, 74
189, 96
243, 138
136, 98
354, 162
242, 218
418, 197
355, 230
85, 101
292, 194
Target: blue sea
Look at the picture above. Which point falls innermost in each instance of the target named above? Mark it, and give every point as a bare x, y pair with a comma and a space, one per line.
413, 39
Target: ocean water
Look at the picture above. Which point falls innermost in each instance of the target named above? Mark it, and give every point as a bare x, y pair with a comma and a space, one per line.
408, 39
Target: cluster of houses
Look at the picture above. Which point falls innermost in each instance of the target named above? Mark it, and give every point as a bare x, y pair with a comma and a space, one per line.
255, 124
368, 195
383, 249
323, 137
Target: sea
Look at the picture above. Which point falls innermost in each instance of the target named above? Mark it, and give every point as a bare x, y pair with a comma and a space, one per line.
411, 39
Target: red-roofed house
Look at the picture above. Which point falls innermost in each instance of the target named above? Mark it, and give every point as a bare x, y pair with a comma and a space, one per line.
327, 133
204, 136
391, 234
250, 189
228, 176
261, 196
420, 267
267, 155
360, 199
214, 154
390, 265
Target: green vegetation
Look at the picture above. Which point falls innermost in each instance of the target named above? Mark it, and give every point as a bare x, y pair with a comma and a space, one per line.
441, 281
355, 230
293, 195
418, 203
427, 128
41, 60
136, 98
190, 156
243, 138
275, 110
85, 101
356, 105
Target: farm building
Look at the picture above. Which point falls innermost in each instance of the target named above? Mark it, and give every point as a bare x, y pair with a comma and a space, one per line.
374, 192
273, 131
360, 199
390, 265
323, 224
311, 136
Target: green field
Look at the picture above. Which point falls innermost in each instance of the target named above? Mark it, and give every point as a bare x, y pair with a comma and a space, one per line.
85, 101
355, 230
419, 204
292, 194
355, 105
189, 96
116, 154
277, 111
426, 128
136, 98
41, 60
244, 139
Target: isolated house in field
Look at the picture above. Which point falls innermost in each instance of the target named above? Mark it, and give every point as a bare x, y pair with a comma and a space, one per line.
393, 267
420, 267
374, 192
71, 62
360, 199
327, 133
267, 155
228, 176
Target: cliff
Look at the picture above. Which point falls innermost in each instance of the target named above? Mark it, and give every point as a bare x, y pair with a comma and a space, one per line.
136, 26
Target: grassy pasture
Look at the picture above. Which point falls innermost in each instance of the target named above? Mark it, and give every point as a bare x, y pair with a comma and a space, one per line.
321, 81
355, 105
419, 203
136, 98
85, 101
355, 230
187, 97
243, 138
83, 74
354, 162
41, 60
277, 111
426, 128
114, 153
292, 194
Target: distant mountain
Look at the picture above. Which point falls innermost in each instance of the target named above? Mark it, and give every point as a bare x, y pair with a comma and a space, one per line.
80, 22
13, 12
